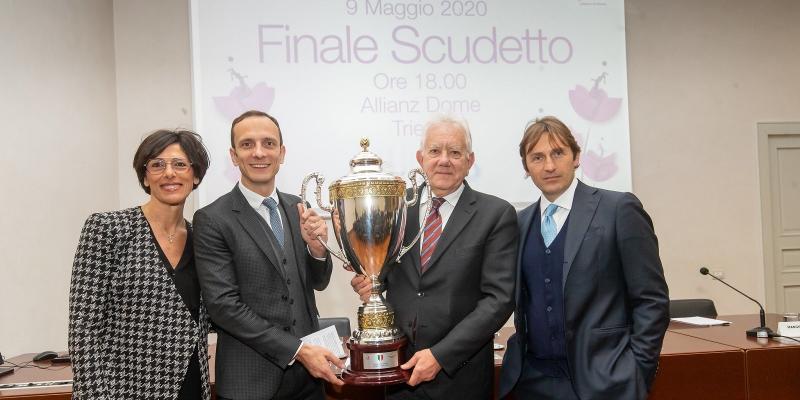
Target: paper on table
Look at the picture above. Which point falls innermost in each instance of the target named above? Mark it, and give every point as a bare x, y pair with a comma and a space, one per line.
327, 338
701, 321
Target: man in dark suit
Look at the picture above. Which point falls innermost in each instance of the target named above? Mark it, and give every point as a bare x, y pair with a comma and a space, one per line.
259, 263
592, 303
455, 289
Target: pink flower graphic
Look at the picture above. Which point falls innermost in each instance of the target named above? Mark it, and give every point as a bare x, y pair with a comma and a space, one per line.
243, 98
594, 105
596, 166
240, 99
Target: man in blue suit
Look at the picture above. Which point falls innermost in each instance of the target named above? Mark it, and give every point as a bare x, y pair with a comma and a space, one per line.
592, 302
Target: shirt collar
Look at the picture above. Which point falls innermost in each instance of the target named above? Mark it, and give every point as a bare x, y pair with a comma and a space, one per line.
564, 201
450, 199
254, 199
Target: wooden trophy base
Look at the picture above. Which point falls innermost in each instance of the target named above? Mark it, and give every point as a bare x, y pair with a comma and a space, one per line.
376, 364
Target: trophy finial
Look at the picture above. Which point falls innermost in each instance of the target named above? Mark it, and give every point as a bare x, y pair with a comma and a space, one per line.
365, 161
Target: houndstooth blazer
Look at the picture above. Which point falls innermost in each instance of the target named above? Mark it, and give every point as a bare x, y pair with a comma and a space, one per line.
130, 333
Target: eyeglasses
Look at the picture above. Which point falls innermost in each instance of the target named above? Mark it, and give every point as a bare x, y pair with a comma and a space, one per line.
159, 165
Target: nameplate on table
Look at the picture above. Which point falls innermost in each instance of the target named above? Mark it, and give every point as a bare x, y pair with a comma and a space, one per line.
789, 329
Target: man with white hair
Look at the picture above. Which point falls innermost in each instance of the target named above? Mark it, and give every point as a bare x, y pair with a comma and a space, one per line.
455, 289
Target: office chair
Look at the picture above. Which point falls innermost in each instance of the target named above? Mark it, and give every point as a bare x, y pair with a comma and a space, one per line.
692, 308
342, 325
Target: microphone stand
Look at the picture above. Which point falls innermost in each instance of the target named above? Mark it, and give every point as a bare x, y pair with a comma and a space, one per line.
760, 331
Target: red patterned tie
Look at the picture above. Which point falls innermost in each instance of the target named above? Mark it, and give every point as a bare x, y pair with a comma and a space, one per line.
431, 233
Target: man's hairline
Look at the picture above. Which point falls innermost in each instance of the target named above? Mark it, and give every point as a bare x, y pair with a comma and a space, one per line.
280, 140
464, 135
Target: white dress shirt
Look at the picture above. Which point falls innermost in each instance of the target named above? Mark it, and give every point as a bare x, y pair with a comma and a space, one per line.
564, 203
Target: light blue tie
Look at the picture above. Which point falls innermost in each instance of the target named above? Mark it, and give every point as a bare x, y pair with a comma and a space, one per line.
549, 225
274, 219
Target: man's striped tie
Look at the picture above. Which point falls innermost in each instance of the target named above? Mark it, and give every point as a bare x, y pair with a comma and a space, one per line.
431, 233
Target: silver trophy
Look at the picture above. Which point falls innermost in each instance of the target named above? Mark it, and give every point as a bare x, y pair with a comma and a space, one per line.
368, 209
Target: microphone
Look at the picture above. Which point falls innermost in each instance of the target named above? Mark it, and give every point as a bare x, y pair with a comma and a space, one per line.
761, 331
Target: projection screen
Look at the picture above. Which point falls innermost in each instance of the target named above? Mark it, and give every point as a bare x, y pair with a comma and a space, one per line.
334, 71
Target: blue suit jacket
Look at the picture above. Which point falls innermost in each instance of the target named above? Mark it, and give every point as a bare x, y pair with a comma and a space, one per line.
616, 301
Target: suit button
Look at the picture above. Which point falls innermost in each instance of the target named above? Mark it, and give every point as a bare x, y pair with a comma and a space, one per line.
284, 261
294, 322
286, 328
547, 251
288, 281
546, 280
284, 297
291, 301
421, 294
549, 308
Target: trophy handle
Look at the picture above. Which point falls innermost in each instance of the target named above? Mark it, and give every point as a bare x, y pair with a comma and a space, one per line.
415, 190
319, 180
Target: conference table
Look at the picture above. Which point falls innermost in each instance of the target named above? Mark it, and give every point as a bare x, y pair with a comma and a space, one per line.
689, 366
696, 362
772, 365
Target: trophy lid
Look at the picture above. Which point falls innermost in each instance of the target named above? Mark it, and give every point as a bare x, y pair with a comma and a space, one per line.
366, 170
365, 161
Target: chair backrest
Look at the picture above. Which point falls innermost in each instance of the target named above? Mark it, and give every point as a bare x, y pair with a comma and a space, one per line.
692, 308
342, 325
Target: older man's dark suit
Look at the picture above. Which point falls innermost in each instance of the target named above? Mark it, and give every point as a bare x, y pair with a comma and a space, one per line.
464, 296
616, 303
247, 295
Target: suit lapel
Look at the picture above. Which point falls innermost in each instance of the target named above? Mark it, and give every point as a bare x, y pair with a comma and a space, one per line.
412, 228
584, 206
247, 218
293, 222
462, 213
141, 228
525, 220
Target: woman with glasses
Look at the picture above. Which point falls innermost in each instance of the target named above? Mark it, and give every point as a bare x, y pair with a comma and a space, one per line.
137, 326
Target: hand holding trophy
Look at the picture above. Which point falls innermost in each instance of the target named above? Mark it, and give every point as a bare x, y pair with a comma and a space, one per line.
368, 208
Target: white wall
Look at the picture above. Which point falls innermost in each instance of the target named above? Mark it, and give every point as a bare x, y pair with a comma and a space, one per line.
154, 81
58, 157
701, 75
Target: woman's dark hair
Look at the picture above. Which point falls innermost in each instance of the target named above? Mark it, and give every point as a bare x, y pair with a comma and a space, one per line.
190, 142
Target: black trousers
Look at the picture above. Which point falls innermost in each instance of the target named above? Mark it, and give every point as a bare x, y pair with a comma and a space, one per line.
405, 392
297, 384
534, 384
